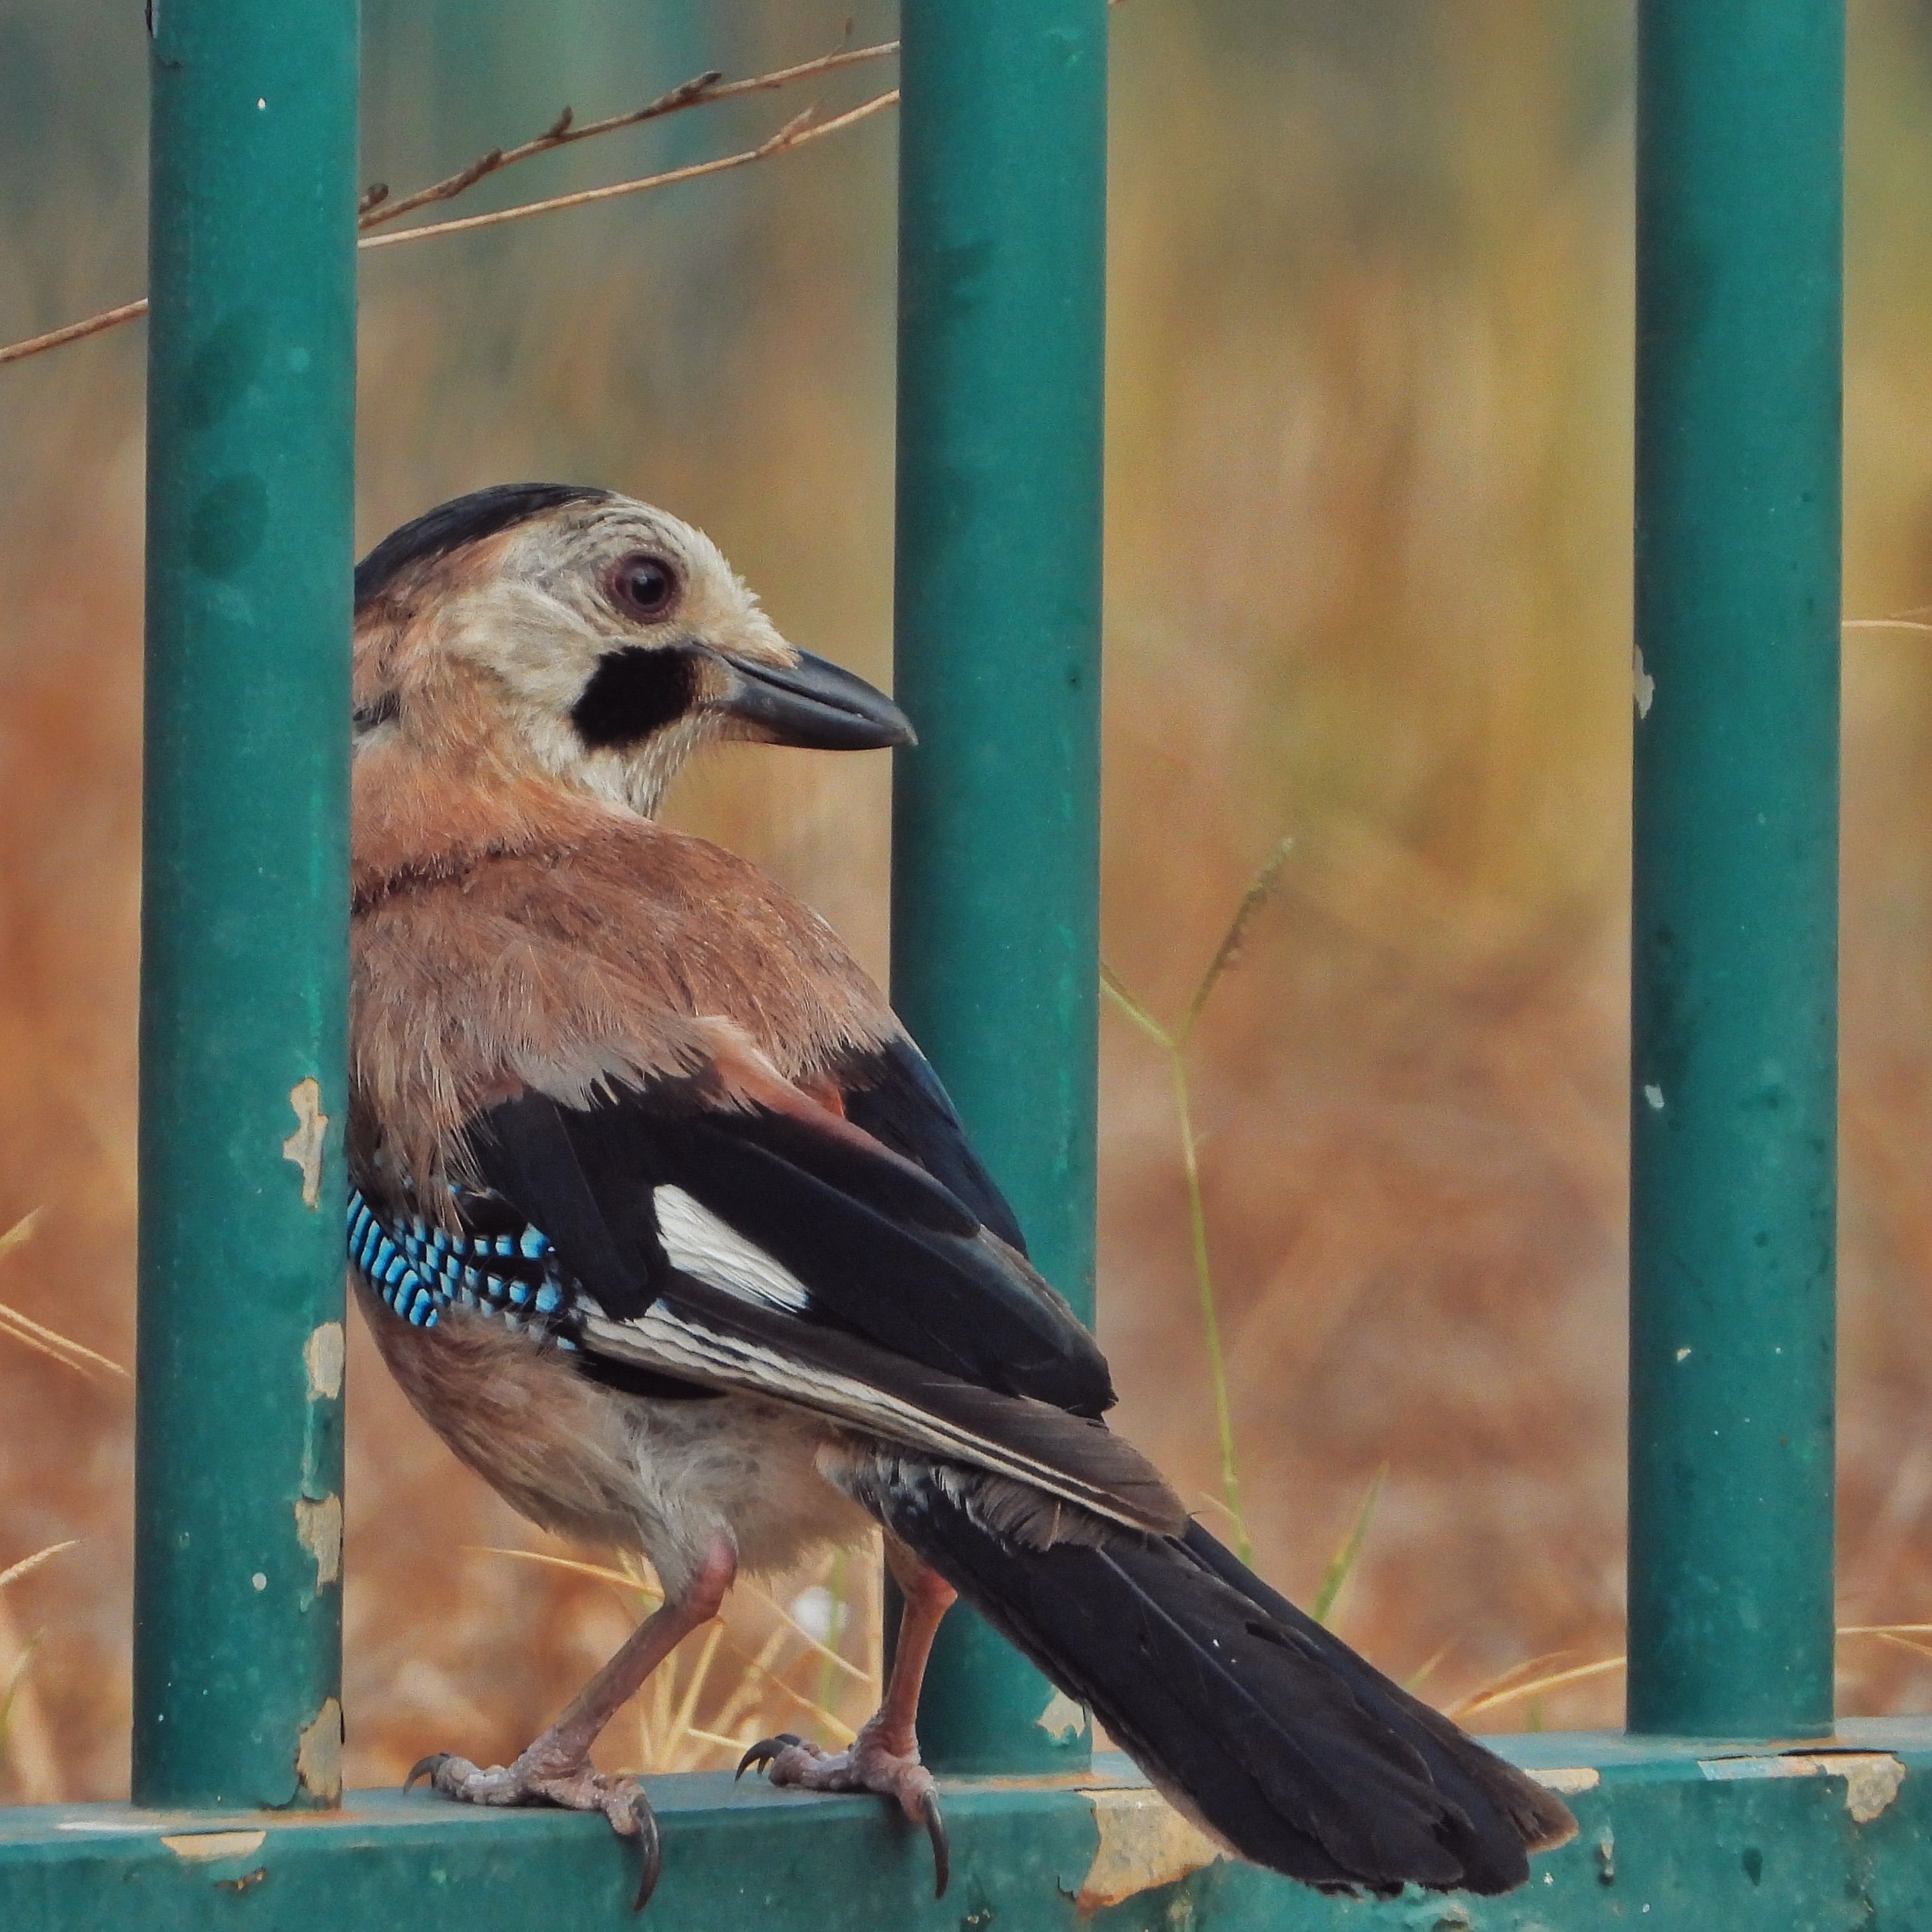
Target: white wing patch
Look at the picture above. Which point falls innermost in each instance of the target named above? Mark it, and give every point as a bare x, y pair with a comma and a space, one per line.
698, 1244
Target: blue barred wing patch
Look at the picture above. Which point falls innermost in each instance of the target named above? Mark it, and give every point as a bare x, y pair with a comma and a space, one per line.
493, 1261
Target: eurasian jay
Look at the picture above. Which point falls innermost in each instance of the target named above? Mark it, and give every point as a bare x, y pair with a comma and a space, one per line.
664, 1225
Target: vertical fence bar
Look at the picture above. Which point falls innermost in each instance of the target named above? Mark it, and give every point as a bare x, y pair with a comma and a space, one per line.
996, 813
244, 913
1734, 1057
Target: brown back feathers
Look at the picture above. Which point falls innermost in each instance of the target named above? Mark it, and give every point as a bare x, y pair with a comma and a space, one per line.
605, 952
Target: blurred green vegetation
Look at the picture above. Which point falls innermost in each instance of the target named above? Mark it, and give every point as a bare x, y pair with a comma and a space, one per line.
1369, 584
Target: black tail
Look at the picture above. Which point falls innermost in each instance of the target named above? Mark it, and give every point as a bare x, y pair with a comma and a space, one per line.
1243, 1710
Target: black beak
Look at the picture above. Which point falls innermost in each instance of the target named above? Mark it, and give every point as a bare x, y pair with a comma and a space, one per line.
812, 704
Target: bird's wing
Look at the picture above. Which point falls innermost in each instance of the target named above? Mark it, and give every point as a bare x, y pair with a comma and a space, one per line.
727, 1229
896, 1096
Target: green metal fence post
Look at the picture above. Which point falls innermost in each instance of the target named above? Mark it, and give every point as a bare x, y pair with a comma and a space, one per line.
1733, 1081
251, 393
996, 813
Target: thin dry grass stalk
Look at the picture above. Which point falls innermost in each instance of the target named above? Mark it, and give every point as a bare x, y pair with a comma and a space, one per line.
1904, 1643
28, 1565
829, 1659
45, 1341
13, 1689
1500, 1690
1174, 1042
1428, 1667
26, 1747
1349, 1552
1510, 1687
1229, 952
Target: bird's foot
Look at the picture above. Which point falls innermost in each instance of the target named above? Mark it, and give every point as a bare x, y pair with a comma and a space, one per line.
869, 1765
537, 1780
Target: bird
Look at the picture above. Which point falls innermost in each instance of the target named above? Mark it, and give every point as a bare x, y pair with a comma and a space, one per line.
664, 1224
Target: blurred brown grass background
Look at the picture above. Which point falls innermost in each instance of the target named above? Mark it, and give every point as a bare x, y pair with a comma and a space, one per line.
1368, 586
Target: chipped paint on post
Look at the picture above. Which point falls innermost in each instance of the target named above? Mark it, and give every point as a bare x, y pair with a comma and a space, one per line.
1143, 1843
304, 1146
319, 1526
324, 1354
1063, 1719
208, 1845
1872, 1778
319, 1755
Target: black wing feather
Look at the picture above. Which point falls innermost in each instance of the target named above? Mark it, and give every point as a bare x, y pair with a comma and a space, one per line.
896, 1097
938, 1295
525, 1152
884, 1250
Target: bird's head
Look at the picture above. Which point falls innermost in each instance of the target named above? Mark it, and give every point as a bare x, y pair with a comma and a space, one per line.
549, 632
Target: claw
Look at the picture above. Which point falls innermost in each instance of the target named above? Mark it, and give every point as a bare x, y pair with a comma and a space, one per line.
935, 1830
650, 1842
425, 1767
762, 1753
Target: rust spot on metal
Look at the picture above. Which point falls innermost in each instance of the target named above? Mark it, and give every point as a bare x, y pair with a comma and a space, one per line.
304, 1147
323, 1354
318, 1754
319, 1526
242, 1883
1143, 1843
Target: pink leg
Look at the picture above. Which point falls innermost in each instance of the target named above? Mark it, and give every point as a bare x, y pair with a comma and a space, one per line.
556, 1767
884, 1757
928, 1596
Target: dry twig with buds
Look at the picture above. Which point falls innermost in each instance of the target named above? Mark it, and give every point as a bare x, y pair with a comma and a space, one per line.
376, 209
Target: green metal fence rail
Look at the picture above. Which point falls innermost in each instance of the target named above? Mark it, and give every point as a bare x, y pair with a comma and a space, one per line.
1732, 1802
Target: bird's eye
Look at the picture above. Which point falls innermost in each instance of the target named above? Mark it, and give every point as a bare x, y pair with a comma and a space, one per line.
647, 586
